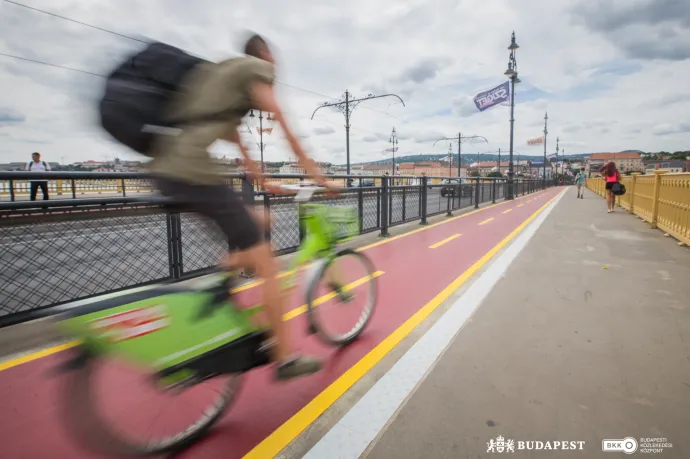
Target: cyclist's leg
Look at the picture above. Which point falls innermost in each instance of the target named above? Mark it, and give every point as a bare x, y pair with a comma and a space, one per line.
242, 229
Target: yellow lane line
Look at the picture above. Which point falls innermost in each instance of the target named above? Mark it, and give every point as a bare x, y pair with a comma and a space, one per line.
37, 355
322, 299
508, 210
448, 239
272, 445
486, 221
520, 205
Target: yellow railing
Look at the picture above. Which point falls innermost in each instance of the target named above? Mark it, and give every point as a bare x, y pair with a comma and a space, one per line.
662, 200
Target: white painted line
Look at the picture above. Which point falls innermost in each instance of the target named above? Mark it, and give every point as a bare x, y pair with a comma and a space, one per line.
360, 426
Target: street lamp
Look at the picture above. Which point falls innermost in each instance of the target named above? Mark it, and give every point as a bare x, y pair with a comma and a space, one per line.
512, 73
546, 131
394, 143
460, 138
261, 133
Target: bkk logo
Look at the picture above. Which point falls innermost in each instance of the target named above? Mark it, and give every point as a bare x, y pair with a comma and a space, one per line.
131, 324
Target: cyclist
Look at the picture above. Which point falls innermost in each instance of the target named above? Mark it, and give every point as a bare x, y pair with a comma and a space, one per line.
186, 172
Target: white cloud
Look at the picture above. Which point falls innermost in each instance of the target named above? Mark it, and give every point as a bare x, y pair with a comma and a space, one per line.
610, 74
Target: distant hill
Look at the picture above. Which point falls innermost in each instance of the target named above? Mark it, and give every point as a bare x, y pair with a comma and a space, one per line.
467, 158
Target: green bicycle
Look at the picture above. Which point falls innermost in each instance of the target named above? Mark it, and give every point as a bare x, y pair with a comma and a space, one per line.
184, 339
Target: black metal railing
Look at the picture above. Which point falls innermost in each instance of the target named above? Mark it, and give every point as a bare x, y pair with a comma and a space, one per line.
57, 251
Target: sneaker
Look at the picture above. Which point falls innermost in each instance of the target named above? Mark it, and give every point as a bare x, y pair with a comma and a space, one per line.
297, 366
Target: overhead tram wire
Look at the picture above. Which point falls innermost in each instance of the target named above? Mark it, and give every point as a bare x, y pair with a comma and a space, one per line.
34, 61
73, 20
121, 35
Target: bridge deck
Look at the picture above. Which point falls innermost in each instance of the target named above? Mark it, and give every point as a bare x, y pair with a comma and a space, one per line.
418, 271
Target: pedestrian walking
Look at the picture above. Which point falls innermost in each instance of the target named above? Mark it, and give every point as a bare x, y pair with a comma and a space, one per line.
580, 182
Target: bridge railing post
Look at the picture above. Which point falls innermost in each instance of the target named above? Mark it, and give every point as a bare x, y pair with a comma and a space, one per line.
633, 182
249, 198
476, 193
655, 198
360, 207
385, 192
493, 191
423, 200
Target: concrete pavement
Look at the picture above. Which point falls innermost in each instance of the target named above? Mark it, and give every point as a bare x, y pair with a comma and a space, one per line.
586, 338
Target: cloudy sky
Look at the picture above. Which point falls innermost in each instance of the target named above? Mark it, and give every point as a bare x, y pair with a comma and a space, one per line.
612, 74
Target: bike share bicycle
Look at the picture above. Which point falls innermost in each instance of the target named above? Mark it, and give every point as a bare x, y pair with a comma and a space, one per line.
184, 338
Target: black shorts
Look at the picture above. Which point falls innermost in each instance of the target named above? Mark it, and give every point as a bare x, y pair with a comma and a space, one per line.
609, 185
219, 203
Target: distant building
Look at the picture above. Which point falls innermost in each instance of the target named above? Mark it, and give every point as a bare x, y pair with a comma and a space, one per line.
625, 162
484, 168
292, 169
672, 166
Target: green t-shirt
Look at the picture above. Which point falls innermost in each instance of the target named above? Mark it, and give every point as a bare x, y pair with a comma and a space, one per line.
580, 179
210, 88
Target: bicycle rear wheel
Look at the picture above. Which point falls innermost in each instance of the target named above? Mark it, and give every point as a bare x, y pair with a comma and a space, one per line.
123, 433
332, 295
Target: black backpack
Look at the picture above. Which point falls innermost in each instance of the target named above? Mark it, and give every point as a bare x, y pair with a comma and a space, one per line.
618, 189
139, 91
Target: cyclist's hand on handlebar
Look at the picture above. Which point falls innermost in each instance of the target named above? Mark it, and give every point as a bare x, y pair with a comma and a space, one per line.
274, 188
331, 187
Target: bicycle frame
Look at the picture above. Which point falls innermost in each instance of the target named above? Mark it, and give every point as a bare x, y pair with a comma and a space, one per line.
317, 243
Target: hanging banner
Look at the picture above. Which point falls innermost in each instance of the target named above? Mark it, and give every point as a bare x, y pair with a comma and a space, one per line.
269, 130
537, 141
494, 96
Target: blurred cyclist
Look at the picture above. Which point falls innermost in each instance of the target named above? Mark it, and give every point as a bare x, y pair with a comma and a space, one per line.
186, 172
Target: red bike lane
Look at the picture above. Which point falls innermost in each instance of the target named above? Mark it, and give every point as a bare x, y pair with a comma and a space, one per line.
413, 274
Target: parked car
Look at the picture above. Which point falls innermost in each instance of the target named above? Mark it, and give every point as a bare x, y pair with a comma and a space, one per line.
364, 183
456, 187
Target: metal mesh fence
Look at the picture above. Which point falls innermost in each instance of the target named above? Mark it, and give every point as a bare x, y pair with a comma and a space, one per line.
404, 204
52, 256
371, 213
203, 243
47, 260
284, 218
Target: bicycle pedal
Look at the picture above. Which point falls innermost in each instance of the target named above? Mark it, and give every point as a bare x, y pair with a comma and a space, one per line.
267, 345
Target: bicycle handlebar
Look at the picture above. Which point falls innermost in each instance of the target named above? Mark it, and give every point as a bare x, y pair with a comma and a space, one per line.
304, 191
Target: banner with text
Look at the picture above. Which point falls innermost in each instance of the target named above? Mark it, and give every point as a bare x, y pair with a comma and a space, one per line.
494, 96
537, 141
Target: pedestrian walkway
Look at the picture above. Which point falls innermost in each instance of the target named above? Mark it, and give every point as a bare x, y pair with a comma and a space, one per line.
585, 338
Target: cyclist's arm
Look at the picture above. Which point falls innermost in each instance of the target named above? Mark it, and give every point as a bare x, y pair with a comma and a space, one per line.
265, 100
250, 164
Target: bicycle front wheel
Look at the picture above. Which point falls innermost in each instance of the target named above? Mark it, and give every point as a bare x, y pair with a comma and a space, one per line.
341, 297
114, 410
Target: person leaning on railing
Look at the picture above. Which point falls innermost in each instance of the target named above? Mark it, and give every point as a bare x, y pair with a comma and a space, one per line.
186, 173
